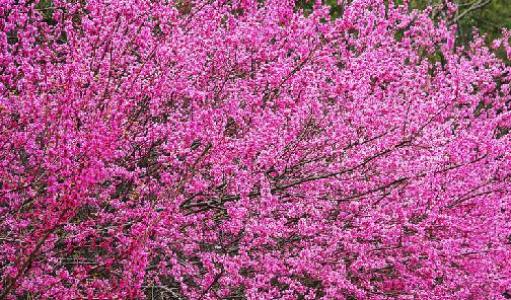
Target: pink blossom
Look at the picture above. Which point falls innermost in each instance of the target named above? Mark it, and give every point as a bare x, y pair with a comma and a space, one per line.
240, 149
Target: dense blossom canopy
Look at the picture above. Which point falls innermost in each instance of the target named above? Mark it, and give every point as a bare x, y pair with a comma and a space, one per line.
243, 149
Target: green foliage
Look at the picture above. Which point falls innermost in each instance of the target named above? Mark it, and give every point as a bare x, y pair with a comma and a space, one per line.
46, 8
489, 20
488, 17
307, 6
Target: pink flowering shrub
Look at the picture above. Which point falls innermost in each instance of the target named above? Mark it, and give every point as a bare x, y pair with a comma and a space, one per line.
245, 150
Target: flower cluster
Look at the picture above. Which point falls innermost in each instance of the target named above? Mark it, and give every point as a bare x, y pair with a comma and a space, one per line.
244, 149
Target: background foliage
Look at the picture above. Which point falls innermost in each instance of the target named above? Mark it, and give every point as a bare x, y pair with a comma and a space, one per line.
488, 17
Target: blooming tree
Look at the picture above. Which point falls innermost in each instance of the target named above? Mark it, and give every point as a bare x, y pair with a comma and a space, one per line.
241, 149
